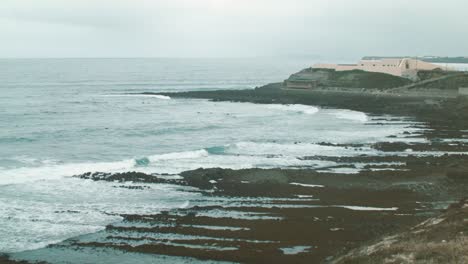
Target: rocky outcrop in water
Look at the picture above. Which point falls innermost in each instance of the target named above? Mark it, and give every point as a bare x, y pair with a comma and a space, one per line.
125, 177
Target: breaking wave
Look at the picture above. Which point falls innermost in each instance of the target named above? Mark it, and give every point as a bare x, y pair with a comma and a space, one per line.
52, 172
235, 156
239, 155
298, 108
58, 171
180, 155
350, 115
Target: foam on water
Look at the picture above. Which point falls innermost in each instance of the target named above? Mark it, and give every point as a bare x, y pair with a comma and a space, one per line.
157, 96
34, 215
297, 108
367, 208
180, 155
294, 149
295, 250
240, 155
236, 156
307, 185
350, 115
57, 171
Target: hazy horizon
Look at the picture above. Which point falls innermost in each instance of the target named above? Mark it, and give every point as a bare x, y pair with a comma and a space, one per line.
231, 29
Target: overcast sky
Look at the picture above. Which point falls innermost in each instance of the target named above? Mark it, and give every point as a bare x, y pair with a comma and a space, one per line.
232, 28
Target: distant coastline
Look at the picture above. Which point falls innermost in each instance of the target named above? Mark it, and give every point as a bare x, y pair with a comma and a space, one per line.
434, 59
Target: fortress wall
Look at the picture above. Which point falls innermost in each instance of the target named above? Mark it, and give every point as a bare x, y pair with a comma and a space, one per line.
397, 67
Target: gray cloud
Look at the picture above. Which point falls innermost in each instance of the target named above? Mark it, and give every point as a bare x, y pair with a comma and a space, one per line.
239, 28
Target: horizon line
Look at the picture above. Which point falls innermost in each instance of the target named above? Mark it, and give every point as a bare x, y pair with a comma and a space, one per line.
163, 57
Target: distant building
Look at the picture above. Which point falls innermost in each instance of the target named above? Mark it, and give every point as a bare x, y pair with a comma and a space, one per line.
402, 67
463, 91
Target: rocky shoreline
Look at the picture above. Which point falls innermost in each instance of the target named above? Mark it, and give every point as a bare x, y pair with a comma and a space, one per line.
448, 113
303, 215
434, 179
284, 215
263, 212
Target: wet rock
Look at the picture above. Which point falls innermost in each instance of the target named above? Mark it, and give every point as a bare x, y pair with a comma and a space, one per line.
458, 172
138, 177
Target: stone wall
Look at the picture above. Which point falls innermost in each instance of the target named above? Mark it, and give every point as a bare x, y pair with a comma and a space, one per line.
463, 91
406, 68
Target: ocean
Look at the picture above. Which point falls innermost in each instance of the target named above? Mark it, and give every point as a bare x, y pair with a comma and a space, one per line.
65, 117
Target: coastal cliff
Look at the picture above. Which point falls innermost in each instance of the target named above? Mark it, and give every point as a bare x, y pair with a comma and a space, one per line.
311, 77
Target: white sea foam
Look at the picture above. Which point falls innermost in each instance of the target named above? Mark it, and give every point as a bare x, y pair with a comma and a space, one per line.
231, 161
304, 196
307, 185
158, 96
298, 108
294, 149
172, 163
49, 172
241, 155
219, 227
180, 155
367, 208
34, 215
295, 250
163, 97
57, 171
350, 115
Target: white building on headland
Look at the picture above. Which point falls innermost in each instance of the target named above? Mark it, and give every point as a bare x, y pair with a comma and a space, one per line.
402, 67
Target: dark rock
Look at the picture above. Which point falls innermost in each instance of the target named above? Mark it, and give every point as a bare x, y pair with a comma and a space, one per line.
124, 177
